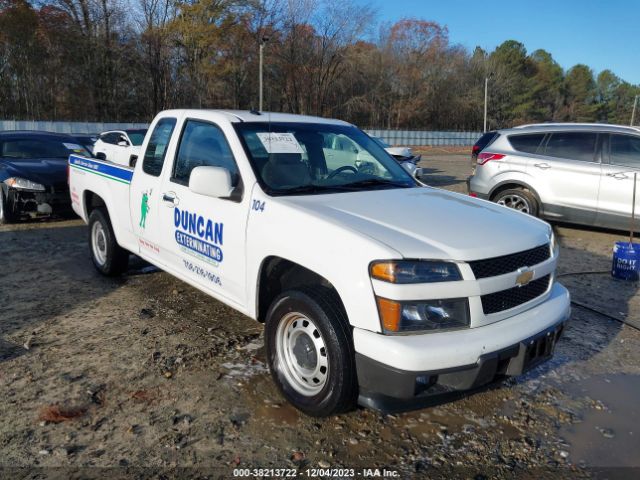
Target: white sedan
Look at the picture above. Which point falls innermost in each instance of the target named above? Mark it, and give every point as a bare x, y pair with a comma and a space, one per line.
118, 146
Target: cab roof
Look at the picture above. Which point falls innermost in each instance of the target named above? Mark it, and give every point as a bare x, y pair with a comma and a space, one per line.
236, 116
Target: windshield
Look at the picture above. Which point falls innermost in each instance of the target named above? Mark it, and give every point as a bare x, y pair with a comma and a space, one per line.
30, 148
305, 158
136, 136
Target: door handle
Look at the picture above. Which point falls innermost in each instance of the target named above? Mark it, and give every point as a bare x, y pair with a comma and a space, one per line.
170, 197
543, 166
617, 176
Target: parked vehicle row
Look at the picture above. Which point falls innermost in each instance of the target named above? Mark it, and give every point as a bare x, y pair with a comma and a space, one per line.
33, 167
33, 173
302, 223
576, 173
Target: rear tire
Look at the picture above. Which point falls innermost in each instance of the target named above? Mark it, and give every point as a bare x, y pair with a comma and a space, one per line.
310, 351
108, 257
519, 199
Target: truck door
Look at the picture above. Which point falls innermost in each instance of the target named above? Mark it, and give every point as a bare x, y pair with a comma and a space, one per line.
205, 236
146, 206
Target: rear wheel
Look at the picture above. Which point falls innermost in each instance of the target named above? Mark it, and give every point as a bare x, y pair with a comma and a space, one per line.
519, 199
108, 257
310, 351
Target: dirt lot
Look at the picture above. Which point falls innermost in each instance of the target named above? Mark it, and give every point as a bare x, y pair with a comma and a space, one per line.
146, 374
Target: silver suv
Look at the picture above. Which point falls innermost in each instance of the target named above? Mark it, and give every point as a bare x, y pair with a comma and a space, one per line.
569, 172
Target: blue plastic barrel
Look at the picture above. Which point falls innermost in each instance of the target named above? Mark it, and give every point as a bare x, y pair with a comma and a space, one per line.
626, 261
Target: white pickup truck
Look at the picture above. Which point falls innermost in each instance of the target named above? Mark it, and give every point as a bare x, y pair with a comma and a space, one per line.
372, 287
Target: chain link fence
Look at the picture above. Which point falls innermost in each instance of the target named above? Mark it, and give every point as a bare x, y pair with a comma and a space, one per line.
393, 137
67, 127
425, 137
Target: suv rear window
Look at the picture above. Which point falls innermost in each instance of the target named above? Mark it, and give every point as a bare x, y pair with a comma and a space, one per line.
572, 146
484, 141
526, 143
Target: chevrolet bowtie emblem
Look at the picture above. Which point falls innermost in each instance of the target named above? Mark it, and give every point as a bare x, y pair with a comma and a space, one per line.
524, 277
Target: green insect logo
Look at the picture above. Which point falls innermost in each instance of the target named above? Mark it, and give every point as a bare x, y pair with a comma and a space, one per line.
144, 208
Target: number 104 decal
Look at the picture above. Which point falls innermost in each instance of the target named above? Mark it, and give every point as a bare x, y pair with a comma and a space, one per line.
258, 205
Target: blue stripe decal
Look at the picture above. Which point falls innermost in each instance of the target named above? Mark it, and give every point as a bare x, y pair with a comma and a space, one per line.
100, 167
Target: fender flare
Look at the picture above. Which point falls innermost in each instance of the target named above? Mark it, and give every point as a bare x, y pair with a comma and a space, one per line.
261, 270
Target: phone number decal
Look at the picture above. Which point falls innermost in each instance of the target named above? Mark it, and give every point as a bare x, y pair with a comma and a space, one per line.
206, 274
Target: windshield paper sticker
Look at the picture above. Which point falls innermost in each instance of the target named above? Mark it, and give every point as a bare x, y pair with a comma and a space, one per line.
198, 236
74, 147
279, 142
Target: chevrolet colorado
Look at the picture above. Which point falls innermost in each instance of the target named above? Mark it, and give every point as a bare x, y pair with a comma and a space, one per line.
363, 299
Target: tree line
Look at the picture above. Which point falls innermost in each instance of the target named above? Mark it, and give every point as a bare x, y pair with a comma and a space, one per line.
125, 60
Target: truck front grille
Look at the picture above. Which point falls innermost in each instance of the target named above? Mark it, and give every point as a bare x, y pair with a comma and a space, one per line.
492, 267
506, 299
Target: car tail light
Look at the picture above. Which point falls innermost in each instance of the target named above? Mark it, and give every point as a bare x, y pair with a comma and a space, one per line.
486, 157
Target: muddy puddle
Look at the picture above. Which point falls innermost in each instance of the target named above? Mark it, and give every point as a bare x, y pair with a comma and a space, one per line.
608, 432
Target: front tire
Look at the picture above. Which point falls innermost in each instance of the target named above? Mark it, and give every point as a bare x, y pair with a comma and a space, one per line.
108, 257
519, 199
310, 351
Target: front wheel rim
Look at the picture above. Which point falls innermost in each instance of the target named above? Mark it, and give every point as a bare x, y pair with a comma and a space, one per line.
516, 202
99, 243
302, 354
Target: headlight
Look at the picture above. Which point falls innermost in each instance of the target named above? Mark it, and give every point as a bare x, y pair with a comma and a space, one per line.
24, 184
419, 271
423, 315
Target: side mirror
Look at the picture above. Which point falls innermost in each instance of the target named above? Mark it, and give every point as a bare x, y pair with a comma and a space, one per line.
211, 181
123, 143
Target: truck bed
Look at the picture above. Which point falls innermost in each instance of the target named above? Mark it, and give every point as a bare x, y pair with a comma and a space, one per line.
90, 177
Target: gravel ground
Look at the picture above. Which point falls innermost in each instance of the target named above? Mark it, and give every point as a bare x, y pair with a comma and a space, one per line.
144, 376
